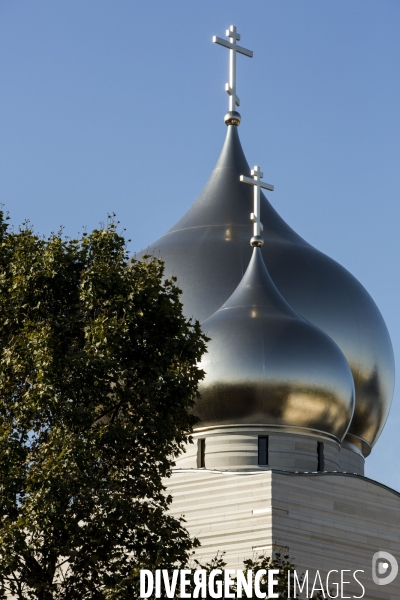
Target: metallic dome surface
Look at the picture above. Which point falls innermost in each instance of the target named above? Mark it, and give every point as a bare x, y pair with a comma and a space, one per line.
208, 251
266, 365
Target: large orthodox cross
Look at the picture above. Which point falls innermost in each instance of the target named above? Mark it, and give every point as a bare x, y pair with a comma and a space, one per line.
258, 184
233, 49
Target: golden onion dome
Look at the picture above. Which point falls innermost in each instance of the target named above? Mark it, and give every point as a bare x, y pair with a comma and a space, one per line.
208, 251
268, 366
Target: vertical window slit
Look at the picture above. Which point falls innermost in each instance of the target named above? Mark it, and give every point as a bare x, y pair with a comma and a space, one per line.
201, 453
321, 458
263, 451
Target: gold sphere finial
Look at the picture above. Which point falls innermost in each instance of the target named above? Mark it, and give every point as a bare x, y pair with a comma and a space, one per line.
232, 118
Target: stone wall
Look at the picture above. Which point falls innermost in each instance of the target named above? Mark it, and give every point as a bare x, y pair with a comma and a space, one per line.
326, 521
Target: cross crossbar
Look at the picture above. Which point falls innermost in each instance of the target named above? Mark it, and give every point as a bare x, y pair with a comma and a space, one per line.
240, 49
251, 181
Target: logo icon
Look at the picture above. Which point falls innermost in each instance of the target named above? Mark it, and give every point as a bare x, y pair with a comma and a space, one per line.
384, 568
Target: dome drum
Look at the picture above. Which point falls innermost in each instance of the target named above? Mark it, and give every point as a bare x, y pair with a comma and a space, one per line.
238, 449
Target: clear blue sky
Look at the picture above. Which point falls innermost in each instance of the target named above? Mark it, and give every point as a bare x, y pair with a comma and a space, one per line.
118, 106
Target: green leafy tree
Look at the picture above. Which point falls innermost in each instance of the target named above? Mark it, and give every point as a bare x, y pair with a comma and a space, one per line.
97, 377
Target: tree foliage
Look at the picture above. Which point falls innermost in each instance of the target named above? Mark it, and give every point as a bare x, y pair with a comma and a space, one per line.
97, 377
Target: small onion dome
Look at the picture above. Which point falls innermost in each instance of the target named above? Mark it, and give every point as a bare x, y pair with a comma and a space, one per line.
266, 365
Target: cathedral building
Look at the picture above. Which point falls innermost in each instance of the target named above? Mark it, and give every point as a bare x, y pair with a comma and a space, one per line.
298, 386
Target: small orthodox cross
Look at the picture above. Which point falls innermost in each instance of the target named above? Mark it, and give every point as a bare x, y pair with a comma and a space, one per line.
233, 49
258, 184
